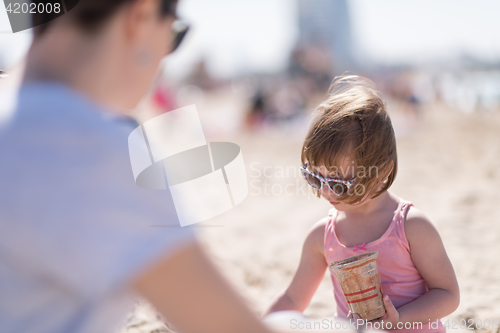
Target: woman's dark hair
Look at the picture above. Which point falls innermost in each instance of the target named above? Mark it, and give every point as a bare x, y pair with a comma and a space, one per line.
91, 15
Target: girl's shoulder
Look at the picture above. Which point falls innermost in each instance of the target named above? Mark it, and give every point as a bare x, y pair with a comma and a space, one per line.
318, 228
316, 235
418, 226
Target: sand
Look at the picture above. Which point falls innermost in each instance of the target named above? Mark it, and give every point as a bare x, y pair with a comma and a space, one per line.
449, 166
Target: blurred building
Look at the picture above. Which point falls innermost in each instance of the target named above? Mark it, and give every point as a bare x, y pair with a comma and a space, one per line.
327, 23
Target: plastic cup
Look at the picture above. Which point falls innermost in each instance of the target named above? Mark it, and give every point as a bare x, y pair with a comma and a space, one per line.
360, 282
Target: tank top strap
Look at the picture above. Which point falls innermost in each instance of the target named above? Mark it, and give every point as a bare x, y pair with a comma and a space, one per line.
330, 236
332, 212
400, 218
403, 210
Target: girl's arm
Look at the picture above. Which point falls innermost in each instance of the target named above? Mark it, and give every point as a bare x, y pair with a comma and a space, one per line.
429, 257
308, 276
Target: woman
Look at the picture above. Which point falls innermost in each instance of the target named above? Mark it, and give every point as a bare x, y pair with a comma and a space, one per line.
76, 243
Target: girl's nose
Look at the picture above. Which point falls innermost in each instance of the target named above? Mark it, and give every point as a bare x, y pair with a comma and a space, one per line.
325, 191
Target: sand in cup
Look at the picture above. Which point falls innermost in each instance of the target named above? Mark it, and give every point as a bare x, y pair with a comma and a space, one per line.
360, 282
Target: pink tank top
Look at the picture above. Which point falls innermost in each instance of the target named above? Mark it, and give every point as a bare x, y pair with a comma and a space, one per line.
400, 279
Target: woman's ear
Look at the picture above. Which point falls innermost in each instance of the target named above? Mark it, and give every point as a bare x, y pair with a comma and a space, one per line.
137, 15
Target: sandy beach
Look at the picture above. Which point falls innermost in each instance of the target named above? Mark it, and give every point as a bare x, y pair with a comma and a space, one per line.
448, 167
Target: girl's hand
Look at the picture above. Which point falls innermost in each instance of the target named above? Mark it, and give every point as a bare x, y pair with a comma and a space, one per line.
354, 316
391, 315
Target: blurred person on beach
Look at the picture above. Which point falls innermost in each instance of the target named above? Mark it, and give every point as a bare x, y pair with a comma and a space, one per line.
76, 242
349, 158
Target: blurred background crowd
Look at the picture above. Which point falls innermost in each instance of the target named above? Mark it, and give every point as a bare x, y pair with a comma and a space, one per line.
275, 59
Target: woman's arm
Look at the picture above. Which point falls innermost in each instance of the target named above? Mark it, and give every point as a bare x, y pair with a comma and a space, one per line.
429, 257
308, 276
190, 293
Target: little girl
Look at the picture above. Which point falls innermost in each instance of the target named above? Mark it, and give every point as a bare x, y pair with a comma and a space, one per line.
349, 158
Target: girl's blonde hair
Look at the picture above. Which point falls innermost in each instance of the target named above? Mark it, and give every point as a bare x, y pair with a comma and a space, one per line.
353, 121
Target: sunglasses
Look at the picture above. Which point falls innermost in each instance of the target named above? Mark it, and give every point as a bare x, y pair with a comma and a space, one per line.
180, 29
337, 186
